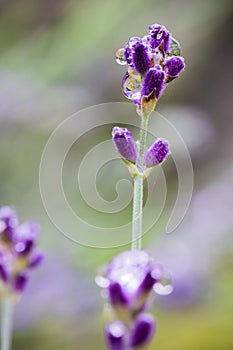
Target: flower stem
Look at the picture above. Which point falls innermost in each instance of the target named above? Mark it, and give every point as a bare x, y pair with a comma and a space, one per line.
6, 324
138, 189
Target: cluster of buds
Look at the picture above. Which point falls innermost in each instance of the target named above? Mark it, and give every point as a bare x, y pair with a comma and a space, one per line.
127, 148
128, 282
18, 253
153, 61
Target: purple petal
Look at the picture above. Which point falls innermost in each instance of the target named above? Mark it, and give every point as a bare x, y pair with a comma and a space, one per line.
114, 333
35, 259
124, 143
174, 66
25, 237
140, 59
3, 273
9, 216
142, 331
116, 295
20, 282
147, 284
8, 222
159, 34
154, 80
128, 269
128, 49
157, 153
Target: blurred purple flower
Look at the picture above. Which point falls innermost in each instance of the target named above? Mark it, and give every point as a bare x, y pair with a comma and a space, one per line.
143, 330
128, 281
17, 251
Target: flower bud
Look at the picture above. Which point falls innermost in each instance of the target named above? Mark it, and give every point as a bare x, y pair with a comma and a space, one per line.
25, 237
3, 273
141, 59
154, 81
114, 333
8, 222
116, 295
159, 35
124, 143
20, 282
157, 153
35, 259
174, 66
143, 331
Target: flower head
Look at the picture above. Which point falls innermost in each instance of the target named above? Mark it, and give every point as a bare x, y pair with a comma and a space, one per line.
18, 251
129, 280
153, 59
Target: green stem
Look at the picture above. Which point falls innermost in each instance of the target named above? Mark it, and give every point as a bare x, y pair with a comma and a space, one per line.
138, 189
6, 324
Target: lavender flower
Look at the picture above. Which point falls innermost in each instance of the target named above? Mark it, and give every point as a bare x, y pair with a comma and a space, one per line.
154, 82
159, 36
3, 273
17, 251
129, 270
143, 330
174, 66
8, 221
19, 282
157, 153
129, 280
124, 143
141, 59
153, 61
115, 333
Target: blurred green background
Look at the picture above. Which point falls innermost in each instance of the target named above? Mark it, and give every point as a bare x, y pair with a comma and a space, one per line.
57, 57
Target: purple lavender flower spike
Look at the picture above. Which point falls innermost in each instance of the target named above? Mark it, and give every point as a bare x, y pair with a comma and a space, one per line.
140, 58
116, 295
157, 153
124, 143
142, 331
35, 259
154, 80
8, 222
114, 333
20, 282
25, 237
174, 66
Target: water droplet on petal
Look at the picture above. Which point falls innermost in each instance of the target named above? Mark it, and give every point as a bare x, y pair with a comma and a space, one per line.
102, 281
175, 48
164, 286
120, 59
132, 86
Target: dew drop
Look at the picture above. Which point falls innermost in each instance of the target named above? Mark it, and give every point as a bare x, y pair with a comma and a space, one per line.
120, 59
102, 281
164, 286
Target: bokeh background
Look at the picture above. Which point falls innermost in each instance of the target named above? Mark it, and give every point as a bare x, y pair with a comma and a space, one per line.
57, 57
